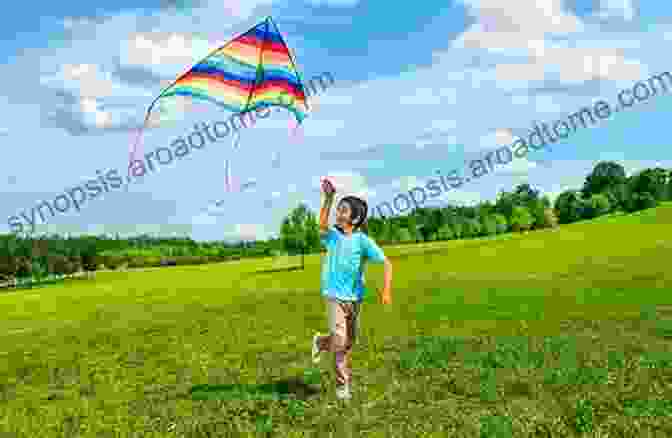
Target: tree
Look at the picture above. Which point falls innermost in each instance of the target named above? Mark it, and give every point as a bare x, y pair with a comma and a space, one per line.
502, 224
23, 267
447, 216
569, 207
505, 203
38, 270
485, 209
521, 219
640, 201
618, 196
384, 234
412, 227
488, 225
300, 232
537, 210
458, 229
445, 233
605, 175
394, 232
436, 219
89, 255
375, 228
312, 236
405, 235
524, 194
472, 228
288, 236
8, 251
651, 181
597, 206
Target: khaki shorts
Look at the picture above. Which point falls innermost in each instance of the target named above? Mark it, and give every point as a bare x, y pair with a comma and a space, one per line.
344, 322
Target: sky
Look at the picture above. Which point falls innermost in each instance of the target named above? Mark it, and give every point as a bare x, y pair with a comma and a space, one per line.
418, 90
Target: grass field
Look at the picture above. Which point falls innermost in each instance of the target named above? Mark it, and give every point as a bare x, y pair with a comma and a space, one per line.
547, 334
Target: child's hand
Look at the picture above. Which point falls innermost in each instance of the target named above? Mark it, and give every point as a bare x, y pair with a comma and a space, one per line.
328, 188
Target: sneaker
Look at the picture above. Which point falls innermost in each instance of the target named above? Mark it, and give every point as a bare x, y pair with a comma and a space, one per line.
343, 392
316, 348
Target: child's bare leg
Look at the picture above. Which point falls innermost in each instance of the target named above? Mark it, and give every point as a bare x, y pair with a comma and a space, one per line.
342, 374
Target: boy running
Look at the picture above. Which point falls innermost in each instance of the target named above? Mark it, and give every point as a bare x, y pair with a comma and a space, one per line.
343, 281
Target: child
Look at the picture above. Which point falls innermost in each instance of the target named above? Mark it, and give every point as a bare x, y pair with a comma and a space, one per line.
343, 282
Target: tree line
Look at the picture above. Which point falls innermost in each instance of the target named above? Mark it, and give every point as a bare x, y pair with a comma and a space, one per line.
31, 258
606, 189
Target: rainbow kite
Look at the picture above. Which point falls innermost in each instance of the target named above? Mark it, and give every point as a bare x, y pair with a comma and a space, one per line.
250, 72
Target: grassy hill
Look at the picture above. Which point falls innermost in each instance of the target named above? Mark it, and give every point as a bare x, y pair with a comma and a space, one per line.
543, 334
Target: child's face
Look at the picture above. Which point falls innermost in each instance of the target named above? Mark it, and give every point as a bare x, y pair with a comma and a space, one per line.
343, 213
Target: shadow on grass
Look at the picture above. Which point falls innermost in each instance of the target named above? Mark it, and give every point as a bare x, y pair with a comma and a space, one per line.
28, 285
270, 271
280, 389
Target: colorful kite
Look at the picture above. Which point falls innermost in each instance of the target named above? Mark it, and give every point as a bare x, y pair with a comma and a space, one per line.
248, 73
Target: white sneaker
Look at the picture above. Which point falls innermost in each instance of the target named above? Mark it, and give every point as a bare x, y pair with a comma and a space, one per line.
343, 392
316, 349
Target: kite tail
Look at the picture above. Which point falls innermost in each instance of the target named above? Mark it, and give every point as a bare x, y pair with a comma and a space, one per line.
134, 148
141, 130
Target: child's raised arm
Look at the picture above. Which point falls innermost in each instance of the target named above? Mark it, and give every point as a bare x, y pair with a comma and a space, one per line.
329, 191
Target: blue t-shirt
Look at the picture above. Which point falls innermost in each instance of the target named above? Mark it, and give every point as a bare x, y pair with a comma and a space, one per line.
343, 269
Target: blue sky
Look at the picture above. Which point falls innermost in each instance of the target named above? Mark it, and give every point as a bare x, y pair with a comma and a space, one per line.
418, 90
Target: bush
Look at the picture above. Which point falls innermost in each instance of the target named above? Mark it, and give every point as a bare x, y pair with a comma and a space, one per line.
113, 262
136, 262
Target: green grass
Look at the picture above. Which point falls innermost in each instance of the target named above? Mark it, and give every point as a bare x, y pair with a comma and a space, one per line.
546, 334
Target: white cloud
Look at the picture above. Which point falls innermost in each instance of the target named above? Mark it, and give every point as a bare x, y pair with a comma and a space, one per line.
520, 72
503, 26
163, 53
581, 64
573, 64
87, 80
92, 115
522, 28
496, 138
251, 231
